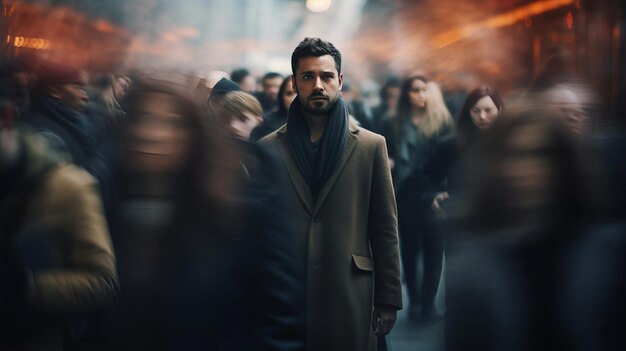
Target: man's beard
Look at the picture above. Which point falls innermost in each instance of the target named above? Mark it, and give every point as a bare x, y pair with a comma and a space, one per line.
318, 110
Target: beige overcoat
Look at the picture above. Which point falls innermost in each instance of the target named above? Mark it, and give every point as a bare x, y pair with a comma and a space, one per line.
349, 242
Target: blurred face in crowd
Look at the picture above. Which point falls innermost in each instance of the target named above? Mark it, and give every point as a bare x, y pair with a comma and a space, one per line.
393, 96
569, 108
417, 94
248, 84
484, 112
289, 94
271, 87
73, 95
242, 125
159, 136
318, 84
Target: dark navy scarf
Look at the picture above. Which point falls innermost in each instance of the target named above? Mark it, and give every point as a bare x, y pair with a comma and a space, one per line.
317, 167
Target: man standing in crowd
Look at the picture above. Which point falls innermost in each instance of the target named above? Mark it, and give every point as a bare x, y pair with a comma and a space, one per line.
269, 96
344, 208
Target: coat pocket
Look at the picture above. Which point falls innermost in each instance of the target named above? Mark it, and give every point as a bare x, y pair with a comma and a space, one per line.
363, 263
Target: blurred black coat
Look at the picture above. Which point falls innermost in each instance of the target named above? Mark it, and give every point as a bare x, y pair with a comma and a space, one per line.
70, 132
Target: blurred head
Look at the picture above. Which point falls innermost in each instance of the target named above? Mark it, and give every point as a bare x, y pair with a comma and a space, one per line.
271, 84
63, 83
482, 107
286, 95
241, 113
245, 80
413, 95
567, 105
165, 126
219, 91
390, 93
317, 76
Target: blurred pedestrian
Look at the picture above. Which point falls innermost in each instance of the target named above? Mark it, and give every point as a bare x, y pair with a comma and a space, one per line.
388, 108
276, 119
241, 114
56, 259
57, 113
270, 83
422, 126
245, 80
529, 203
203, 258
343, 207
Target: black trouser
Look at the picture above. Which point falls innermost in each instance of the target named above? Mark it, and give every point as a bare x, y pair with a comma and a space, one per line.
415, 234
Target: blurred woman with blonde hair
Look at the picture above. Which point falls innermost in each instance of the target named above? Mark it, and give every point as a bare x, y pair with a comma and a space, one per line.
422, 125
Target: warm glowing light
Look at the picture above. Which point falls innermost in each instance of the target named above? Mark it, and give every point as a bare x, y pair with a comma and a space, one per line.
8, 39
30, 43
569, 20
506, 19
318, 5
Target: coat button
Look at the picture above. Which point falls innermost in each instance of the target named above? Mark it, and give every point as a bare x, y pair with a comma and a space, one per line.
317, 219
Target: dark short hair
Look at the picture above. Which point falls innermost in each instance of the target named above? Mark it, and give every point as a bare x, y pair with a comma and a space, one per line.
314, 47
271, 75
239, 75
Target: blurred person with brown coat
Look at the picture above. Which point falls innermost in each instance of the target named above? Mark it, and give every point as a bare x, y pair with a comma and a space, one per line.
56, 259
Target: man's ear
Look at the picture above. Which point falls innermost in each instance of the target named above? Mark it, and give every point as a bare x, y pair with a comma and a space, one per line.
293, 83
340, 81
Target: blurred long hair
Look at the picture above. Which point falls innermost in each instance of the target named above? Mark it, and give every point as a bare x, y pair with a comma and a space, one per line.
208, 173
437, 115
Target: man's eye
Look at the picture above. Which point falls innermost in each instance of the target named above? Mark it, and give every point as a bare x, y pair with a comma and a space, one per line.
307, 77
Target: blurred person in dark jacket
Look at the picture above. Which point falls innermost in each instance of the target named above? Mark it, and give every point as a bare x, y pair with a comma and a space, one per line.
356, 107
446, 168
203, 257
57, 113
388, 108
56, 258
529, 202
422, 127
278, 118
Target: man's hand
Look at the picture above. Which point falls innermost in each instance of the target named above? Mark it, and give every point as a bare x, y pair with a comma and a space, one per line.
387, 316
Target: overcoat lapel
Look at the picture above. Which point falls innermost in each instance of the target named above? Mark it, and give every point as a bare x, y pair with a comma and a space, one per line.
302, 187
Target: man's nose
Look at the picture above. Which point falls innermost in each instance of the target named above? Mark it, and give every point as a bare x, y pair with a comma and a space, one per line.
317, 84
